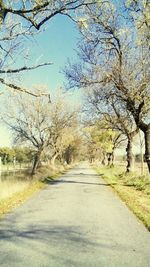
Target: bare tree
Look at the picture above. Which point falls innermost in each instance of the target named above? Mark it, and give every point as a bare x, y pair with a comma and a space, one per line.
64, 127
21, 19
42, 125
138, 11
13, 36
123, 122
29, 120
111, 56
37, 13
116, 117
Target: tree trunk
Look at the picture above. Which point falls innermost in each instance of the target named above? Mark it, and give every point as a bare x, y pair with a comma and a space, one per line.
130, 157
109, 159
145, 128
36, 162
53, 159
147, 147
103, 160
141, 154
142, 163
112, 158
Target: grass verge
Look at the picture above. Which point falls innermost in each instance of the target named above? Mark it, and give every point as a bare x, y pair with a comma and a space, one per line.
14, 192
133, 189
8, 203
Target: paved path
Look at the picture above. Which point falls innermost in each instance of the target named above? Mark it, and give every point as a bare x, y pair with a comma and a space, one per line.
77, 222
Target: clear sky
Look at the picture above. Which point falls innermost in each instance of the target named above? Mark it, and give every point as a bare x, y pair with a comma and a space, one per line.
57, 43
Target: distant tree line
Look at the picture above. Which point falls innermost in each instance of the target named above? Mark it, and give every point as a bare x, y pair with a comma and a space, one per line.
16, 155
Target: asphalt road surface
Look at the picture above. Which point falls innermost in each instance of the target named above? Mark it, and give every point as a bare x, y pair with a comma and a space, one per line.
75, 222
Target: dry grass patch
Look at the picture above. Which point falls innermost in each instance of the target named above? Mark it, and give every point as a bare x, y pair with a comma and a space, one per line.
10, 187
17, 194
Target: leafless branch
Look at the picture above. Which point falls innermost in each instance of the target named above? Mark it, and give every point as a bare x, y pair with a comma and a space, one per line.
25, 68
23, 90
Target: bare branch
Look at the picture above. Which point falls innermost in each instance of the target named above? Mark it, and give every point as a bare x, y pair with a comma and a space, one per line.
25, 68
23, 90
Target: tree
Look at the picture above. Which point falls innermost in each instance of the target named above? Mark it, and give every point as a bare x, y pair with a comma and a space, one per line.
7, 155
139, 13
36, 13
64, 125
110, 58
15, 154
102, 141
29, 120
115, 117
74, 150
41, 125
23, 154
125, 124
21, 19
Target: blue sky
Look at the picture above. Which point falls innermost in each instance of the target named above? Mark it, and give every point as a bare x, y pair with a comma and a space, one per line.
57, 43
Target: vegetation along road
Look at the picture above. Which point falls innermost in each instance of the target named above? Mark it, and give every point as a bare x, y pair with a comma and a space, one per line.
77, 221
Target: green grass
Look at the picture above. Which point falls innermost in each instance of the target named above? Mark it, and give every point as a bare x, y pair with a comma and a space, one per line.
133, 189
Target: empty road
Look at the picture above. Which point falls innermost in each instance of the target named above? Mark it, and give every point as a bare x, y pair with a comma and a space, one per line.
76, 222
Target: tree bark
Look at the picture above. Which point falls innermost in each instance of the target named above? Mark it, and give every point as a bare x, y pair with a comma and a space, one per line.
36, 161
130, 157
69, 155
146, 130
112, 158
103, 160
53, 159
109, 159
147, 147
143, 126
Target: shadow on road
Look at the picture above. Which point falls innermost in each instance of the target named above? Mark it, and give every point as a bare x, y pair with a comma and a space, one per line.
52, 235
76, 182
82, 174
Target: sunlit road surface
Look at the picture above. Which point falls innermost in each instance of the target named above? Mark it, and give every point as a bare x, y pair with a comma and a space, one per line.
77, 221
